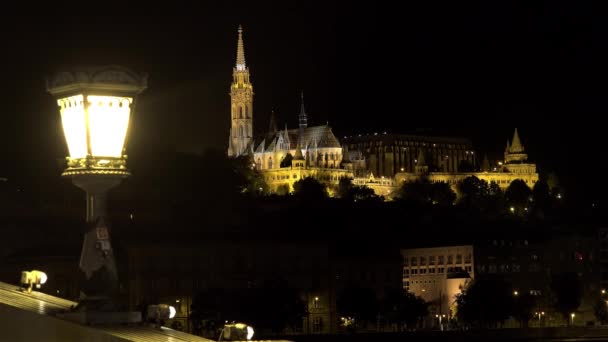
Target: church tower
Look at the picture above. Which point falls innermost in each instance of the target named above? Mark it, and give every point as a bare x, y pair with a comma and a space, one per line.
241, 100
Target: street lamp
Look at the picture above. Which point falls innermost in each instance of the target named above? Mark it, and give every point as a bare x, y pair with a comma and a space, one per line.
440, 317
572, 318
96, 105
540, 314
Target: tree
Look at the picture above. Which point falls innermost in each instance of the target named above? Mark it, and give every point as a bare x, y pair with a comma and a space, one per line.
541, 196
283, 189
600, 309
487, 301
518, 194
344, 187
442, 194
473, 192
418, 191
309, 188
286, 161
496, 197
358, 303
251, 180
523, 306
567, 290
350, 192
404, 307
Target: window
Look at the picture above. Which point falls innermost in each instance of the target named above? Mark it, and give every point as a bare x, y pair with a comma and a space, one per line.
432, 270
492, 268
516, 268
423, 271
414, 261
440, 270
414, 271
468, 258
406, 272
432, 260
468, 268
405, 261
459, 259
440, 261
422, 261
450, 259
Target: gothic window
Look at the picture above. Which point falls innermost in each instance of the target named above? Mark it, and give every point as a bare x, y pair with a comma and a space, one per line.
240, 112
246, 111
241, 133
270, 162
258, 165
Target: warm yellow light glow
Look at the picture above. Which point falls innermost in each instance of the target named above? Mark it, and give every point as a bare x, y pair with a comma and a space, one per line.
74, 125
108, 124
515, 293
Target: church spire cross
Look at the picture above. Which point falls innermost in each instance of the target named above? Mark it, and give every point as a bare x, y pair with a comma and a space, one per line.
240, 52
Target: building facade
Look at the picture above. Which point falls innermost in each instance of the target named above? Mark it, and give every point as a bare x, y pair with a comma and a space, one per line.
382, 162
437, 275
449, 161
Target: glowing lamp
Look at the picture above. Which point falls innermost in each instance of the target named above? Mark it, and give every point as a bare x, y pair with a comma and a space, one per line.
96, 107
32, 278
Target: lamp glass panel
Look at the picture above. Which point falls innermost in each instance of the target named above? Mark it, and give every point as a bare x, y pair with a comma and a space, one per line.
108, 124
74, 125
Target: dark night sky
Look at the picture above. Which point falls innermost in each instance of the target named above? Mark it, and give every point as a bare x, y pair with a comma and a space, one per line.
467, 69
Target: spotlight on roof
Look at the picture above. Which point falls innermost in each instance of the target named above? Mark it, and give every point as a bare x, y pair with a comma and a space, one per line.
237, 332
31, 278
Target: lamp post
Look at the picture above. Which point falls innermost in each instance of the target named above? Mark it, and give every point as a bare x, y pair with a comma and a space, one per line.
96, 106
572, 319
540, 314
439, 316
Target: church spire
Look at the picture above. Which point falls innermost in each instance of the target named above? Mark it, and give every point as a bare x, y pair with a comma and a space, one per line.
516, 146
302, 117
272, 128
240, 52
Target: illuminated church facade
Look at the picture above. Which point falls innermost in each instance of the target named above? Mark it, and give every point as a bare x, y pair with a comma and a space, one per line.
283, 156
382, 162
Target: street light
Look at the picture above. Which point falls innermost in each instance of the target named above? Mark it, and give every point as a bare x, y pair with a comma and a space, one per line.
96, 105
540, 314
572, 318
440, 317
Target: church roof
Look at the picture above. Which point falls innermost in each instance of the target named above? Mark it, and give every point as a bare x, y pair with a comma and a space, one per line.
316, 136
322, 136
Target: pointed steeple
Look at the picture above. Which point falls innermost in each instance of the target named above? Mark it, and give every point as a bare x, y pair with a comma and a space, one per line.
272, 128
302, 117
485, 164
508, 146
421, 161
516, 146
421, 168
240, 51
